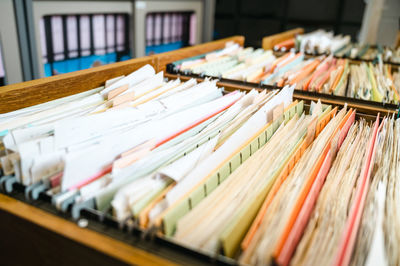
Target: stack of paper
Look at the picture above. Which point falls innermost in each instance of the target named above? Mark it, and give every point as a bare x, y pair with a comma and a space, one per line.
377, 240
252, 176
328, 219
281, 211
322, 42
324, 74
213, 224
55, 142
181, 170
139, 145
206, 171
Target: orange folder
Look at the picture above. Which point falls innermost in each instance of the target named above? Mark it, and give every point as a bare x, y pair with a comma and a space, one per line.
288, 61
144, 214
264, 76
305, 71
325, 78
117, 91
277, 61
257, 78
280, 82
341, 64
285, 45
318, 71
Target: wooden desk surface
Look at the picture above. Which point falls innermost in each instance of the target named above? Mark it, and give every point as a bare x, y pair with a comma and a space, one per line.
115, 249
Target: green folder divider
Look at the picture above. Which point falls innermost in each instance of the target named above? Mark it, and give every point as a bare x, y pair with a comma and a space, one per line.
292, 111
286, 116
246, 152
235, 162
184, 206
196, 196
224, 172
254, 145
170, 218
211, 184
325, 112
263, 139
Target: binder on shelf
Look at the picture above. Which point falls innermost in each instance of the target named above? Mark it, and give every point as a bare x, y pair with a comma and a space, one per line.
99, 34
111, 33
167, 31
57, 37
72, 36
74, 42
84, 35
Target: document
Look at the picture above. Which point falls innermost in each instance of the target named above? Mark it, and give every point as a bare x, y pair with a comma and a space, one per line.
252, 176
134, 78
370, 81
232, 198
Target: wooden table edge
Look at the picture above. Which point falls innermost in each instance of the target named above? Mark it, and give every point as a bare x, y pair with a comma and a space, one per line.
70, 230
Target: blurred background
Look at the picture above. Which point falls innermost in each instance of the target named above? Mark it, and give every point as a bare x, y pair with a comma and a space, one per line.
45, 38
